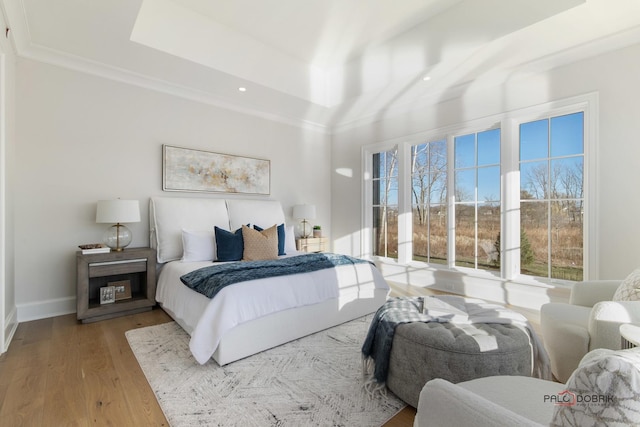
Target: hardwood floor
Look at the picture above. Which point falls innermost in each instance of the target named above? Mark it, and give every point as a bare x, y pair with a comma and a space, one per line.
58, 372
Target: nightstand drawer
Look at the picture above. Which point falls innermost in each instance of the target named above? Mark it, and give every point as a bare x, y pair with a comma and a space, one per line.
312, 244
110, 268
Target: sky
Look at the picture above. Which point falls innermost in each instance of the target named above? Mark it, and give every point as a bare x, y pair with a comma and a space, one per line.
555, 144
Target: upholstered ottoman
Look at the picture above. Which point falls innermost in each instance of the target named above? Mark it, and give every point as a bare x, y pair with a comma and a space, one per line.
455, 352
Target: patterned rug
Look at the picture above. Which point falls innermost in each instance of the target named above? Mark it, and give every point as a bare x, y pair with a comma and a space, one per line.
316, 380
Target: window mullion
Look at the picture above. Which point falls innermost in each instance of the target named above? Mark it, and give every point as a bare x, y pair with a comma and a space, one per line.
510, 201
451, 207
405, 247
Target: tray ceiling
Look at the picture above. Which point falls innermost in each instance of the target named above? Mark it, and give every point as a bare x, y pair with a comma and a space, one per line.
320, 63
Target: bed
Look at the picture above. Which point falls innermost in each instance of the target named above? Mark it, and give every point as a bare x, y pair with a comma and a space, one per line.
254, 315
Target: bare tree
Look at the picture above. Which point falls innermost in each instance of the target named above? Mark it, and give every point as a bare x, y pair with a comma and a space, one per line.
536, 181
390, 159
429, 169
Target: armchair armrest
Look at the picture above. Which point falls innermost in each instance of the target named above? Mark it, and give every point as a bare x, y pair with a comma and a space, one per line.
605, 320
590, 292
443, 404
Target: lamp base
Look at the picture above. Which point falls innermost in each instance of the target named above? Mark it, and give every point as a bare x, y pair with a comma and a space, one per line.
117, 237
305, 229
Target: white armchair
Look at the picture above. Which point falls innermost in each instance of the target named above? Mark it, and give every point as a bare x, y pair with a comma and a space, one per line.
591, 320
505, 401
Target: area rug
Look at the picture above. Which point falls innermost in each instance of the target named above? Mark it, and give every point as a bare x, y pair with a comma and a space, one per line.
316, 380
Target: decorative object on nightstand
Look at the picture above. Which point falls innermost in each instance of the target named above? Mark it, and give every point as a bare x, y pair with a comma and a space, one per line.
118, 211
107, 294
317, 231
305, 212
115, 283
94, 248
312, 244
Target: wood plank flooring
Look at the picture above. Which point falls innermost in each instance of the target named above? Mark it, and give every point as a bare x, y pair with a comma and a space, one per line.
58, 372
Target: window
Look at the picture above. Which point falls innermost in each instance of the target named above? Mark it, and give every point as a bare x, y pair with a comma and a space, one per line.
429, 201
552, 197
477, 199
385, 203
506, 195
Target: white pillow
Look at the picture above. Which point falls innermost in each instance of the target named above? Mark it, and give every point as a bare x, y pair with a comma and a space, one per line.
198, 245
289, 240
629, 289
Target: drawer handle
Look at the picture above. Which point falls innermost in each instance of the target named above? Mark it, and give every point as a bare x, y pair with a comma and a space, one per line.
124, 261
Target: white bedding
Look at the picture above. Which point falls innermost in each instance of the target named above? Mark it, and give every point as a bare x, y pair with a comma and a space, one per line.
207, 320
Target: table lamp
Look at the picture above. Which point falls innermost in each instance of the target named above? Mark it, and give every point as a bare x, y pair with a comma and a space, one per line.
118, 211
304, 212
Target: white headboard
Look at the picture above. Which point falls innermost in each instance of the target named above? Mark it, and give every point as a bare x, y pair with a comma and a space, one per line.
263, 213
168, 216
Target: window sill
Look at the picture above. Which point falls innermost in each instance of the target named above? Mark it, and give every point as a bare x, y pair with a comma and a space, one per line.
524, 291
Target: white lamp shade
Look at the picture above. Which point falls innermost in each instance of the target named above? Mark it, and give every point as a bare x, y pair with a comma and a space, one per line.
304, 211
118, 211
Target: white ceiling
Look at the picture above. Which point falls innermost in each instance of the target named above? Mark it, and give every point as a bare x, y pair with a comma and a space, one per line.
320, 32
320, 63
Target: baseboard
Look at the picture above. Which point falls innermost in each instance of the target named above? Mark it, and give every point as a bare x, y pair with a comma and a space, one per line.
45, 309
11, 325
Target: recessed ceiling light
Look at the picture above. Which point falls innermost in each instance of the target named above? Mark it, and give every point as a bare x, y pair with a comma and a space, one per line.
242, 89
426, 78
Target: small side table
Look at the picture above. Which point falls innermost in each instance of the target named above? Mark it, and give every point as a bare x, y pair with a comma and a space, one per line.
629, 335
134, 270
312, 244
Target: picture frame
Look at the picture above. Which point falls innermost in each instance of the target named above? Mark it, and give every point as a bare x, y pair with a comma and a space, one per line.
122, 289
192, 170
107, 295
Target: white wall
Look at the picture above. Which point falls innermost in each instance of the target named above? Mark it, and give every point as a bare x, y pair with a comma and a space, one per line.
614, 76
8, 313
82, 138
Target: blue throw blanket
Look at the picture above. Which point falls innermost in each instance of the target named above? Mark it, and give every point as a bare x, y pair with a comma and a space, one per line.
211, 280
377, 344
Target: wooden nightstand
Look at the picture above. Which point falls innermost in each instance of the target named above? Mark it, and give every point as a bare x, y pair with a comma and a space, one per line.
312, 244
134, 270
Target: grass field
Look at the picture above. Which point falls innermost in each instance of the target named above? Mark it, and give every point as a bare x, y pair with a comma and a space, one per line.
566, 244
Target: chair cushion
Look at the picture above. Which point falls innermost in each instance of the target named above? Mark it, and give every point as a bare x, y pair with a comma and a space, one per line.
604, 387
443, 404
523, 395
629, 289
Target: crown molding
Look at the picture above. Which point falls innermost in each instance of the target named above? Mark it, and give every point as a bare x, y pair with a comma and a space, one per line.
65, 60
20, 38
25, 48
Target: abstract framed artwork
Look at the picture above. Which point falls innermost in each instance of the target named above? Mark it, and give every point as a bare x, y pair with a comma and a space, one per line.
185, 169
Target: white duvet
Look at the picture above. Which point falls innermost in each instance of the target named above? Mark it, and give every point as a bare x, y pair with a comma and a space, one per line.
207, 320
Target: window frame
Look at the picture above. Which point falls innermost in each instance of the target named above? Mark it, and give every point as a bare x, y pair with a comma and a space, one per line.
508, 123
429, 143
475, 168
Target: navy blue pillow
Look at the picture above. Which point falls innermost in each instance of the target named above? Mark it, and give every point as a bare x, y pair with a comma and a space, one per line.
230, 246
280, 237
